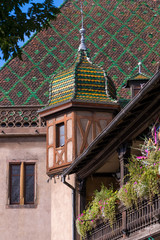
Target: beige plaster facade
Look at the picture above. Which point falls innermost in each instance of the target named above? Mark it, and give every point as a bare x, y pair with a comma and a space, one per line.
22, 222
61, 211
80, 128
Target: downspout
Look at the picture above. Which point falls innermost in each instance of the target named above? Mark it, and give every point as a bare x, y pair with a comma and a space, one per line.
73, 206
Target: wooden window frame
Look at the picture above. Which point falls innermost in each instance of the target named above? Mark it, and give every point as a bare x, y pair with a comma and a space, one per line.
58, 134
22, 201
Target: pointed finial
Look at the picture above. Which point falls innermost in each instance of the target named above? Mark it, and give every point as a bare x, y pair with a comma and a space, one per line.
140, 64
82, 31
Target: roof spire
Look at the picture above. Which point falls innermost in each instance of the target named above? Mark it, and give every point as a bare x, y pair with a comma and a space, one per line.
140, 64
82, 31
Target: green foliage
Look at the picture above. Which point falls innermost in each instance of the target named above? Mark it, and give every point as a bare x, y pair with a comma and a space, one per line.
15, 23
107, 203
103, 206
127, 195
143, 179
87, 220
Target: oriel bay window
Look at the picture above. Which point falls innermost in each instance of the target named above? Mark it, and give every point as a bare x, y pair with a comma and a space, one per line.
22, 183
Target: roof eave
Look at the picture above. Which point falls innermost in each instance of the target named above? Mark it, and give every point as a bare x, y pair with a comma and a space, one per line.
54, 109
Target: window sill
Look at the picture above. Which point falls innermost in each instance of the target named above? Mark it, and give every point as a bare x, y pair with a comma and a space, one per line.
10, 206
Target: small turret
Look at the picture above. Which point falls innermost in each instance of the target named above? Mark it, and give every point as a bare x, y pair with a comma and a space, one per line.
137, 81
82, 103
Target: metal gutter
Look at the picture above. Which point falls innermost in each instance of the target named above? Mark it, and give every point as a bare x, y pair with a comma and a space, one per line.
73, 207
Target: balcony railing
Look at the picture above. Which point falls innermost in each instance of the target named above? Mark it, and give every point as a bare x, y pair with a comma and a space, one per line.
147, 213
104, 231
129, 221
12, 117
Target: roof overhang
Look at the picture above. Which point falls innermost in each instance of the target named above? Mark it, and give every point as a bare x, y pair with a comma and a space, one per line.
128, 124
77, 105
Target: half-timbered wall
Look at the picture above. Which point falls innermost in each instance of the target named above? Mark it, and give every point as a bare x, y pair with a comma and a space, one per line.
80, 129
89, 125
62, 155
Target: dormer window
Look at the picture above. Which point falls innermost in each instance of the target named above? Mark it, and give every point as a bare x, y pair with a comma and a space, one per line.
60, 135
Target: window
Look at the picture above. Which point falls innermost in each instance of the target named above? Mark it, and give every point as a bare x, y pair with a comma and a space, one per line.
135, 90
60, 137
22, 183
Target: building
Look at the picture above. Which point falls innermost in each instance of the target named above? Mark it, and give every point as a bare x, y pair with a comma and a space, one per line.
119, 34
109, 153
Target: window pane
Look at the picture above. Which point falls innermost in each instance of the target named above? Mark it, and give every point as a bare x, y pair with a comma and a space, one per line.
29, 169
29, 184
60, 135
15, 169
14, 184
61, 130
61, 140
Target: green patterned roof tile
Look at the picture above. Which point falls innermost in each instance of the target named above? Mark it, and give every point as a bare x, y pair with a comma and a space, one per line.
130, 31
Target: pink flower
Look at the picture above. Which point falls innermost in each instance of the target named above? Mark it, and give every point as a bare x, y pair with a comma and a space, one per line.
135, 183
125, 190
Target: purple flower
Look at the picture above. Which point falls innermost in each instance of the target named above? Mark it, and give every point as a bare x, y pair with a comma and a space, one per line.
135, 183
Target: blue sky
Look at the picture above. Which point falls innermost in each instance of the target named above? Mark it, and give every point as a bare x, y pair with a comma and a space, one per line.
57, 3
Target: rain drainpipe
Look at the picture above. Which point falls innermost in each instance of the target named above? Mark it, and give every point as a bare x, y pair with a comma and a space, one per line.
73, 206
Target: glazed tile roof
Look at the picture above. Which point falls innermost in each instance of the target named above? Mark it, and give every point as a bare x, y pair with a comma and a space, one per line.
119, 33
83, 81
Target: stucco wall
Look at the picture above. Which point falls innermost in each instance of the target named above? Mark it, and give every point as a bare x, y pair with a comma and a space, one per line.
25, 223
61, 210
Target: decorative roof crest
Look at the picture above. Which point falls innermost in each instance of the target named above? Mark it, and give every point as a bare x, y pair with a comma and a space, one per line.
82, 31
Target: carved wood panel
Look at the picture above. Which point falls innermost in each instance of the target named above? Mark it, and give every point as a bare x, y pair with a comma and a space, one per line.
88, 127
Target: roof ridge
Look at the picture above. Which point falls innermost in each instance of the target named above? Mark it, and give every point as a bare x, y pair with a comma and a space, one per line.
139, 73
